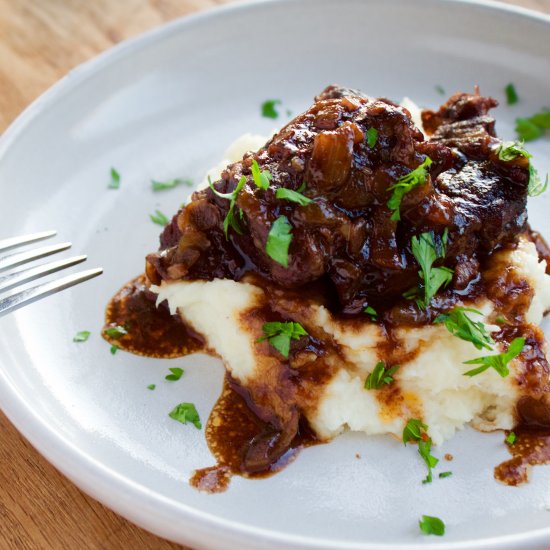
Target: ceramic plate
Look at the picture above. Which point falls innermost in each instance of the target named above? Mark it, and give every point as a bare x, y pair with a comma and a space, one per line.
166, 105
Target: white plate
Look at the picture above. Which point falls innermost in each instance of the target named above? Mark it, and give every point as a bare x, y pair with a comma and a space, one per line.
166, 105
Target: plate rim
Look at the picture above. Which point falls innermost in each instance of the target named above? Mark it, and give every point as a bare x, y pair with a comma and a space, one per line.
98, 480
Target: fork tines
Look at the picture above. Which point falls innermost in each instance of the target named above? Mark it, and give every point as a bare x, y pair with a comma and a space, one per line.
13, 276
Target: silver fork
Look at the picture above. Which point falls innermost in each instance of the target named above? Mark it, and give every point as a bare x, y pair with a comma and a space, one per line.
13, 275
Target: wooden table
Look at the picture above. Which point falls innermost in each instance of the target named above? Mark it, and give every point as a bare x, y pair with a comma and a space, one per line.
40, 41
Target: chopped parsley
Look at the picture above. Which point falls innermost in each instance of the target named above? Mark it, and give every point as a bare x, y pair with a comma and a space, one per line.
511, 150
371, 312
460, 325
230, 220
380, 376
261, 179
511, 438
511, 94
177, 373
445, 474
116, 332
151, 386
81, 336
440, 90
372, 137
268, 108
278, 241
533, 127
115, 180
426, 248
280, 334
170, 184
405, 184
159, 218
114, 349
416, 430
432, 526
498, 362
292, 196
186, 412
501, 320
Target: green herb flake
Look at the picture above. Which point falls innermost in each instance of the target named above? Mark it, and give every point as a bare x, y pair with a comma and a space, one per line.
151, 387
177, 373
416, 430
372, 137
114, 349
535, 186
426, 248
501, 320
170, 184
279, 335
81, 336
405, 184
432, 526
116, 332
511, 94
278, 241
371, 312
511, 438
261, 179
230, 220
115, 180
533, 127
268, 108
511, 150
159, 218
460, 325
380, 376
445, 474
498, 362
186, 412
292, 196
440, 90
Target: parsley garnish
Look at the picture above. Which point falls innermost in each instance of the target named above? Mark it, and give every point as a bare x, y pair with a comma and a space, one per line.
278, 241
498, 362
114, 349
280, 334
536, 187
511, 94
159, 218
371, 312
432, 526
533, 127
427, 249
416, 430
380, 376
440, 90
292, 196
261, 179
151, 387
445, 474
511, 150
405, 184
230, 220
170, 184
116, 332
177, 373
268, 108
511, 438
186, 412
372, 137
461, 326
81, 336
115, 180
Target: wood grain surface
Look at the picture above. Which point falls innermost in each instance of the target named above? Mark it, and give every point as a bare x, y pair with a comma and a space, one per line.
40, 41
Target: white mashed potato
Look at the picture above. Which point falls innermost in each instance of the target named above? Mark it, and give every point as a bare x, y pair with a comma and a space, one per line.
432, 385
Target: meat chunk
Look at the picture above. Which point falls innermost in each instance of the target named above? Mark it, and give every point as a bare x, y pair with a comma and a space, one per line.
346, 234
